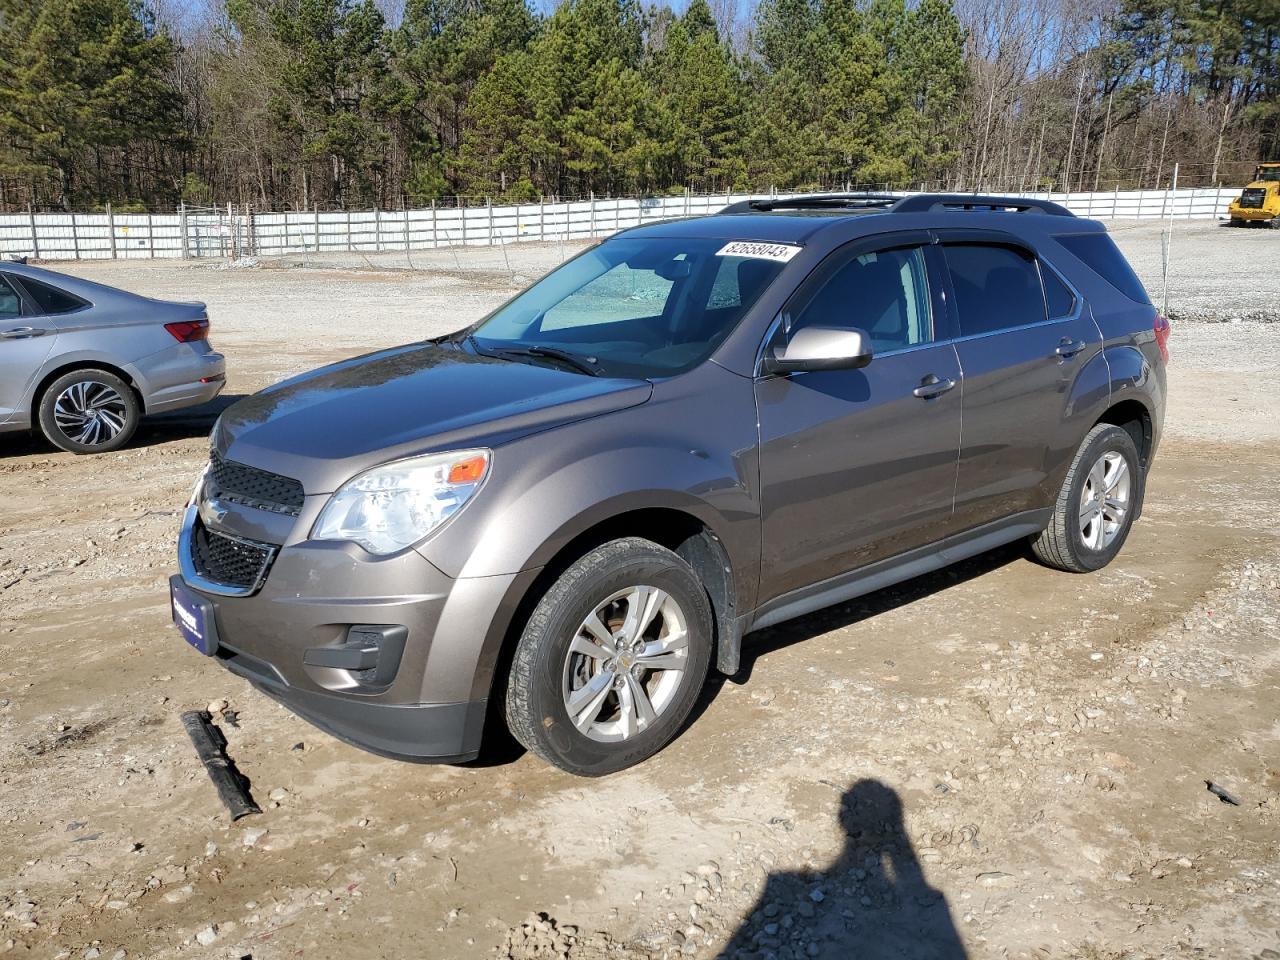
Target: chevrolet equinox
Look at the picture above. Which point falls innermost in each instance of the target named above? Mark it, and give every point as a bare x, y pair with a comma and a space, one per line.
568, 513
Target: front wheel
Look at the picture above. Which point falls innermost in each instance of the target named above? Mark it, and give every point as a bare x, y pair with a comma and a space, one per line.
1094, 510
611, 660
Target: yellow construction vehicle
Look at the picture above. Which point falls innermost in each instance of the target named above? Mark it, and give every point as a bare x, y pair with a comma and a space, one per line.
1259, 202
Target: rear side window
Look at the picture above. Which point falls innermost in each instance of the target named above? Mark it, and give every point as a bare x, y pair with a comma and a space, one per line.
51, 299
1104, 258
10, 302
996, 287
1057, 297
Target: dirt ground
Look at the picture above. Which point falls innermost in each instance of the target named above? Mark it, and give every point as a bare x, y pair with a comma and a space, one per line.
994, 761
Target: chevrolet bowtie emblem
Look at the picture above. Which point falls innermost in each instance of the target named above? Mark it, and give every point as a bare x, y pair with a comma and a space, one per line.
212, 512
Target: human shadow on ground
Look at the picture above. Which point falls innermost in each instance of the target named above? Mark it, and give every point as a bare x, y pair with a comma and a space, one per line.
873, 903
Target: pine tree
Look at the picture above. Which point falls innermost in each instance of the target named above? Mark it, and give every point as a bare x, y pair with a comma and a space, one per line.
786, 122
442, 52
699, 92
83, 82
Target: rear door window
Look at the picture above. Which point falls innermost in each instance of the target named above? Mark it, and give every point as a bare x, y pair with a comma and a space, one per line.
1103, 257
885, 293
10, 302
996, 287
50, 299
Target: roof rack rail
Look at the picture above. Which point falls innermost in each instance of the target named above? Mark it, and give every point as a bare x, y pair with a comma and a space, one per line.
924, 202
815, 201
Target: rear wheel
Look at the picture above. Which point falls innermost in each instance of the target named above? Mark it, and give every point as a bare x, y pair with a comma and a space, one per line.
1094, 510
89, 411
612, 659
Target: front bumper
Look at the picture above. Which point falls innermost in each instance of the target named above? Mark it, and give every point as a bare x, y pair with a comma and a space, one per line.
421, 698
417, 732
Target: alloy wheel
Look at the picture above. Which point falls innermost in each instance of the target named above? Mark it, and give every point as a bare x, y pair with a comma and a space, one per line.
625, 664
1104, 501
90, 412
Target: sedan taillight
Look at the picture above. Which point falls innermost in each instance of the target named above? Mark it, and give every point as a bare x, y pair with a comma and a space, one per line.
188, 331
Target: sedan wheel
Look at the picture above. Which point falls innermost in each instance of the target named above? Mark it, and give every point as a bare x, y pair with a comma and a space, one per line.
89, 411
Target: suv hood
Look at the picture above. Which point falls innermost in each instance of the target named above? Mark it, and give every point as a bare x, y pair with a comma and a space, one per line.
325, 426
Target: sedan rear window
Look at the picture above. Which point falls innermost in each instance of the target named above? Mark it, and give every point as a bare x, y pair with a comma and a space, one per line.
51, 299
1103, 257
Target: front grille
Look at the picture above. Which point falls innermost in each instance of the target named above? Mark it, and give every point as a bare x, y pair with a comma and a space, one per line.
1253, 198
229, 561
251, 487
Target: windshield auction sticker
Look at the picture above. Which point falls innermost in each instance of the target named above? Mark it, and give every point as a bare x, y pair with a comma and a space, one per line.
782, 252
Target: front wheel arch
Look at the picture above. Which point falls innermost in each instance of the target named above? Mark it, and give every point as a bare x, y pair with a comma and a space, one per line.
685, 534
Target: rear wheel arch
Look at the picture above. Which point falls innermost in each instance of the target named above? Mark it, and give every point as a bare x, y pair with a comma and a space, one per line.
1133, 416
70, 367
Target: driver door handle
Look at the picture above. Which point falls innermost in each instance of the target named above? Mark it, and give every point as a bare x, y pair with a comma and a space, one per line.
931, 387
21, 333
1068, 348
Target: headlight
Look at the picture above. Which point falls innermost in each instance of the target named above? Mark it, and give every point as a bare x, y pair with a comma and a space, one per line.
396, 505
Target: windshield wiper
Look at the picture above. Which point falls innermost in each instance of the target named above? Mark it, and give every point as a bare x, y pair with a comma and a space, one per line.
580, 363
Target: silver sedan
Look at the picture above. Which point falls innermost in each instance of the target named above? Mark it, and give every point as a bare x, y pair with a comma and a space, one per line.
83, 362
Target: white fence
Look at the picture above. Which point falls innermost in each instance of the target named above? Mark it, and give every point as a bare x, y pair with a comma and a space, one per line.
228, 232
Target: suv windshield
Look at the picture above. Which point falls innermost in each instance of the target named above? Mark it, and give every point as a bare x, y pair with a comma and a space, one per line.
635, 307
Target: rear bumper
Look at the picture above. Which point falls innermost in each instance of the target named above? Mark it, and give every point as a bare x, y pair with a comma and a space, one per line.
180, 376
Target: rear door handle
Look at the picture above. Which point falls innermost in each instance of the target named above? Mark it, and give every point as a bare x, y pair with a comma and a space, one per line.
931, 387
21, 333
1068, 348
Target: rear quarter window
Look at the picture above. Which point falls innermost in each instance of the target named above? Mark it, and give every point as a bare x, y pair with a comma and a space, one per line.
1100, 253
51, 299
1060, 301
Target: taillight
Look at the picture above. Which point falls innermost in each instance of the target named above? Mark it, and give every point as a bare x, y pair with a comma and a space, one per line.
1161, 328
187, 331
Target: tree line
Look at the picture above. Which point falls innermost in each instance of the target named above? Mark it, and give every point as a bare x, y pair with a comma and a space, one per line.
322, 103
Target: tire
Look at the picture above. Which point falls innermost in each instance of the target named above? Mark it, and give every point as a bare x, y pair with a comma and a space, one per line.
1073, 541
89, 411
546, 675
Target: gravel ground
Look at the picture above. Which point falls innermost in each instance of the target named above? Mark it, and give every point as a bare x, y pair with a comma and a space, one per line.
993, 761
1216, 273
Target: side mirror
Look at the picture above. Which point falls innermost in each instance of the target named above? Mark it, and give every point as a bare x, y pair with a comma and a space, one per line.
821, 348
